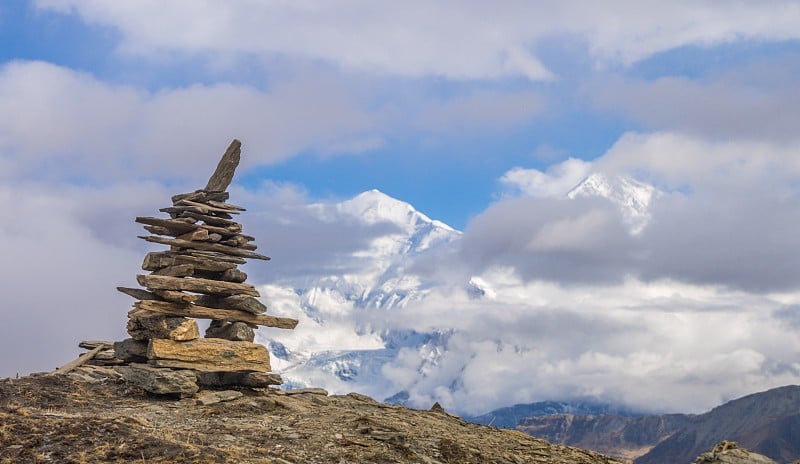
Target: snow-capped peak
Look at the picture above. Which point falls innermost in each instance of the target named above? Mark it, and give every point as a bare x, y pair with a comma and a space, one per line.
374, 206
340, 340
634, 198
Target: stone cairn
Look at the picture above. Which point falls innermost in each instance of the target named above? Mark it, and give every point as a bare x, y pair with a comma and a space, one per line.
197, 278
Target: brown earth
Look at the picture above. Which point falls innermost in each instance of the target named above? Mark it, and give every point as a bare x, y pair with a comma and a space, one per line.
92, 415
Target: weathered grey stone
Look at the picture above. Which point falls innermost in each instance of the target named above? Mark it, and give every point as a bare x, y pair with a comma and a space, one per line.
300, 391
131, 350
234, 275
92, 344
161, 381
223, 175
236, 331
240, 302
242, 379
218, 396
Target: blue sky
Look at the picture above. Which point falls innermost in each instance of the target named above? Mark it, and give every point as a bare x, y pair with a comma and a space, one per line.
430, 144
448, 168
480, 115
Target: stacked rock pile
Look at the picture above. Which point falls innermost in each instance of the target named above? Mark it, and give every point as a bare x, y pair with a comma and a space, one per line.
197, 278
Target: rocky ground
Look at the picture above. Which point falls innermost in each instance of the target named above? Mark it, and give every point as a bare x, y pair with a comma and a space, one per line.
92, 415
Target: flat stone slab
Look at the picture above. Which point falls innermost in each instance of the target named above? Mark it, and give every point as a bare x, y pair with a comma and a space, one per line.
208, 398
300, 391
209, 354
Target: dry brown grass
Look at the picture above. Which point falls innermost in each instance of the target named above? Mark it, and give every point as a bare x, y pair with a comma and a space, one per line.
56, 419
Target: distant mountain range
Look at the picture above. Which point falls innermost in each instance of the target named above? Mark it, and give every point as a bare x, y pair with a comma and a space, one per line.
623, 437
511, 416
767, 423
337, 345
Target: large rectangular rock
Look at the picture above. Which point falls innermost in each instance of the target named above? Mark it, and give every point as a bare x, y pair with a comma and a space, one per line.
160, 381
209, 355
241, 379
201, 312
238, 302
206, 286
225, 249
156, 260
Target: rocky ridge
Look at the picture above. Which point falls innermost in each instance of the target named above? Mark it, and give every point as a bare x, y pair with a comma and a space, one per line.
92, 415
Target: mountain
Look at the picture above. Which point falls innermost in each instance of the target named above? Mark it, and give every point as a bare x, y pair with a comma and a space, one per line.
339, 344
633, 198
767, 423
91, 415
511, 416
625, 438
346, 339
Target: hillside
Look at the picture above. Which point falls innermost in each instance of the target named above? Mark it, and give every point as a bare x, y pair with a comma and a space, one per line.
92, 415
766, 422
509, 417
619, 436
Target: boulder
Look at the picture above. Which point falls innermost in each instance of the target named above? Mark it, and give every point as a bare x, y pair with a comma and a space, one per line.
143, 325
728, 452
161, 381
236, 331
209, 355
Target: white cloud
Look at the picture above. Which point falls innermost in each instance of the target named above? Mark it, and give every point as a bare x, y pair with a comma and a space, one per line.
689, 346
64, 252
458, 40
68, 124
572, 234
756, 101
678, 160
556, 182
728, 217
63, 124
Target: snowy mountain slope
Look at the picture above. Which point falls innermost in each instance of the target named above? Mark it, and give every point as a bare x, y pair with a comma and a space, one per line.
633, 198
345, 340
338, 343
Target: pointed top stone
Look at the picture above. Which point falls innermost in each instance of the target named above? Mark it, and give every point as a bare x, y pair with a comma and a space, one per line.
223, 175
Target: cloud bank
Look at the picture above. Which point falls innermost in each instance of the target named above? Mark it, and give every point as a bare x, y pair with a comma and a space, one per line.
456, 40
